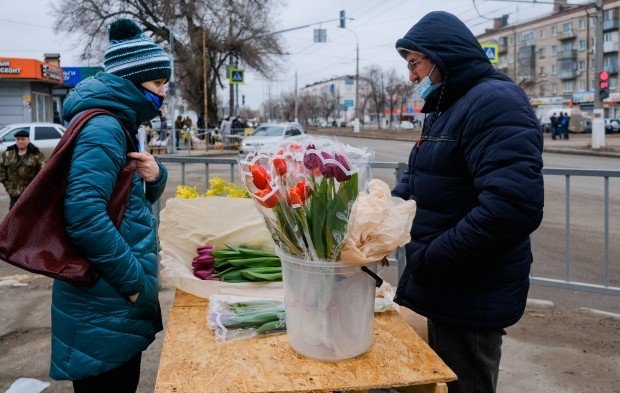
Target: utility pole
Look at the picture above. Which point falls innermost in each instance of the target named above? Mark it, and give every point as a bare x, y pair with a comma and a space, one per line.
236, 91
598, 114
204, 86
356, 121
173, 149
231, 90
296, 117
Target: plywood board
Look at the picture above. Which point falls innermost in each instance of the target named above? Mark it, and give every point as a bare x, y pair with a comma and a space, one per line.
192, 361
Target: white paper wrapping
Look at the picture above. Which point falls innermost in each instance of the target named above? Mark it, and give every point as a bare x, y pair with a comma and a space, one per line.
186, 224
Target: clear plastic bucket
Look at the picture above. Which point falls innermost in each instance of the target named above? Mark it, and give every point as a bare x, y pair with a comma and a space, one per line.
329, 307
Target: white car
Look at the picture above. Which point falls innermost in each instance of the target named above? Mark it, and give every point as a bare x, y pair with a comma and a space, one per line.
269, 134
45, 136
405, 125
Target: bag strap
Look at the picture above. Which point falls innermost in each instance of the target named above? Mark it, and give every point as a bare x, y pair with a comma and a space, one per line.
122, 189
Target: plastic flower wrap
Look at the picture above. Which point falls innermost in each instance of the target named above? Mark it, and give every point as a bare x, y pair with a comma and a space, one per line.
305, 190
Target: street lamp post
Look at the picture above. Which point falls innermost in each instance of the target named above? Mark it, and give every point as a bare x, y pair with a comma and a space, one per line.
356, 121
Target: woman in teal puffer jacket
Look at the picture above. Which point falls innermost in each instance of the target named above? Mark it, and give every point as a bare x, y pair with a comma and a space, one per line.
99, 333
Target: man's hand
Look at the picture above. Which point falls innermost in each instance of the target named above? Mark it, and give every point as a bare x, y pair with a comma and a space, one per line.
147, 166
134, 297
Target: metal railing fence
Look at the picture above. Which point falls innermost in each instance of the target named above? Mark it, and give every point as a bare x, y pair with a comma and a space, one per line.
567, 282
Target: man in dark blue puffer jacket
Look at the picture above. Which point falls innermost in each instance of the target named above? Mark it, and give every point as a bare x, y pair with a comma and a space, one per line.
475, 175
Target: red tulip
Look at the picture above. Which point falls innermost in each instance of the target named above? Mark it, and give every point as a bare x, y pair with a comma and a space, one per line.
269, 202
280, 165
260, 177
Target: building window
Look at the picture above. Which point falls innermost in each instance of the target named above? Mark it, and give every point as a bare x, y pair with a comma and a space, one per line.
553, 69
510, 40
554, 88
527, 38
567, 46
582, 44
582, 86
541, 33
613, 83
541, 53
582, 65
567, 87
582, 24
554, 50
554, 30
607, 37
541, 92
567, 26
40, 107
541, 71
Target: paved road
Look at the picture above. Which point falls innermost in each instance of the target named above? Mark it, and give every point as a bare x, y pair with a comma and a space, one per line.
554, 350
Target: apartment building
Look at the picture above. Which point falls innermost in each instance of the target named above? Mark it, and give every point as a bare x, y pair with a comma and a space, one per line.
342, 90
552, 57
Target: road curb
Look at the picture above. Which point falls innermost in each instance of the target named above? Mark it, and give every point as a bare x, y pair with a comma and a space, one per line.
580, 152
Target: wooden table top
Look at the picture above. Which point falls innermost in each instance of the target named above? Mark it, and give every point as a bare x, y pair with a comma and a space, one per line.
192, 361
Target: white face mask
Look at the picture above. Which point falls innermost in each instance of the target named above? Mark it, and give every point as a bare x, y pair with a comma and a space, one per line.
424, 88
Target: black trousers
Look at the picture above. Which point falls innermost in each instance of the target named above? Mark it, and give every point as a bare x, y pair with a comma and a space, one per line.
123, 379
473, 355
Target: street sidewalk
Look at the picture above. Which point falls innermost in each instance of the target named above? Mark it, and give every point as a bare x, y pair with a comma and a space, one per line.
582, 144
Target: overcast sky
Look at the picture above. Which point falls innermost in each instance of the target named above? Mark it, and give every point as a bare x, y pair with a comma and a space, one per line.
25, 31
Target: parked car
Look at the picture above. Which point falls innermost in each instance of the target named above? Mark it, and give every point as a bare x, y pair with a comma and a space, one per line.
405, 125
612, 125
269, 134
45, 136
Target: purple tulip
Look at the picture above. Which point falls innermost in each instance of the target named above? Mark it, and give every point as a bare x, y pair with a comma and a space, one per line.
204, 274
327, 170
311, 160
339, 174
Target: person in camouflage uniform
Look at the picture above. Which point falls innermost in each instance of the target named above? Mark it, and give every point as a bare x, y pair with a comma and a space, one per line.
20, 164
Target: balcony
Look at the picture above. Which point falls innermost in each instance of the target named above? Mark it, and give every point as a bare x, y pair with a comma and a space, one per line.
611, 24
568, 74
611, 68
567, 54
611, 46
527, 52
567, 35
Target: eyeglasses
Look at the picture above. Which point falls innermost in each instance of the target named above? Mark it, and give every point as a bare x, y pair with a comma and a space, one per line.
412, 64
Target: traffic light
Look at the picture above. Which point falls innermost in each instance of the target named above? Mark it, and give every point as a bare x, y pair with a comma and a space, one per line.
172, 88
242, 99
342, 19
604, 84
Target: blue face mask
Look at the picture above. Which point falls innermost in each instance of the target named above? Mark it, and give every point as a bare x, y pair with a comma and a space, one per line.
424, 88
155, 99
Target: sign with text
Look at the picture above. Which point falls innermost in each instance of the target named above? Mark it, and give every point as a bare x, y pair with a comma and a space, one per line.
74, 75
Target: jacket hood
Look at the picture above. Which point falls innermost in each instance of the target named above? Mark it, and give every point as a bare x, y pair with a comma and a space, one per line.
116, 94
452, 47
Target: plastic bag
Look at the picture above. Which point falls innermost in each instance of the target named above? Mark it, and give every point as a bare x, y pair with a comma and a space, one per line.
237, 318
186, 224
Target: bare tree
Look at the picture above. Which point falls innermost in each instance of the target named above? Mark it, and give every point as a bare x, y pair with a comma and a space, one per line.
405, 91
287, 106
375, 80
392, 91
327, 101
238, 29
309, 107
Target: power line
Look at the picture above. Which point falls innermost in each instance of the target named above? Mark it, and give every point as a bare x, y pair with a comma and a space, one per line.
25, 23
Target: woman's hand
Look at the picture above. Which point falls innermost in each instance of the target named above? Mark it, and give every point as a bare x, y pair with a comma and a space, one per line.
146, 165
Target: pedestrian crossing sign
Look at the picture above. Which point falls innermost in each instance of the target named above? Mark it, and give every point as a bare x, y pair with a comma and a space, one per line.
235, 76
491, 51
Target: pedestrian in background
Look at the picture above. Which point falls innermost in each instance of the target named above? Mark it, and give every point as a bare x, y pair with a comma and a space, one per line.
21, 162
99, 332
475, 175
555, 122
565, 126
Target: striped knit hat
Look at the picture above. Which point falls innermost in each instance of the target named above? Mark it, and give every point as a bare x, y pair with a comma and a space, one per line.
132, 55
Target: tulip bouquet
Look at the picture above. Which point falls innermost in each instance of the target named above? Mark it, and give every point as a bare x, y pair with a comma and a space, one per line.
305, 192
